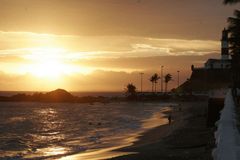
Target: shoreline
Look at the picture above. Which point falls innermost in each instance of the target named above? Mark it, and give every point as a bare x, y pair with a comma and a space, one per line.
164, 141
157, 119
186, 138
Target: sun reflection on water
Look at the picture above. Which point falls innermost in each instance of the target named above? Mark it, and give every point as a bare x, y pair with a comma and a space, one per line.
53, 151
48, 119
49, 122
46, 111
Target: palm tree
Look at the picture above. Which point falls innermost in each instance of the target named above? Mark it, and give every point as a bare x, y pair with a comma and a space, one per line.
234, 41
152, 79
234, 30
131, 89
156, 78
167, 78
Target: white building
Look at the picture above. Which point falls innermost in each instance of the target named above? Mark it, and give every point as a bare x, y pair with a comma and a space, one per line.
225, 61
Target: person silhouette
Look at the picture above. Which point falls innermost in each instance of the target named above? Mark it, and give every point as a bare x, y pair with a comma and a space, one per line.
169, 119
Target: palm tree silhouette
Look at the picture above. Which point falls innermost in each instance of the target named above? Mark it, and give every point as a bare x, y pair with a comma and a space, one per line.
167, 78
234, 40
131, 89
152, 79
156, 78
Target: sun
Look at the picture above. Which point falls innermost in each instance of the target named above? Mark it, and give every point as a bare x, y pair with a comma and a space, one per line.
47, 63
48, 69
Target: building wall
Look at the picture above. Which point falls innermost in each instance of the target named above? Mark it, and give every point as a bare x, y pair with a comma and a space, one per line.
207, 79
218, 65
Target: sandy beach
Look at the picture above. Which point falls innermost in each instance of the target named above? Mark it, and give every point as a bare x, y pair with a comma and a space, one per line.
187, 137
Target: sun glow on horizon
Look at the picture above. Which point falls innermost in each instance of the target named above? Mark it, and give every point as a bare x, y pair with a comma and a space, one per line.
49, 69
50, 63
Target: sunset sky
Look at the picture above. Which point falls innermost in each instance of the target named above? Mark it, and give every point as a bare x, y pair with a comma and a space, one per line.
101, 45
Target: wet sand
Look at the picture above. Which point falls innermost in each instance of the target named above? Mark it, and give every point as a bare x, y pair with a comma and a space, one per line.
186, 138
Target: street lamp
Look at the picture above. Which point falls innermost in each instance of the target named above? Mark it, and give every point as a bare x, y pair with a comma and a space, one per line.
162, 79
141, 74
178, 78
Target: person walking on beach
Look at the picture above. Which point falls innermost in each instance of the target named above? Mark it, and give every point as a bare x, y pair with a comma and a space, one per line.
169, 119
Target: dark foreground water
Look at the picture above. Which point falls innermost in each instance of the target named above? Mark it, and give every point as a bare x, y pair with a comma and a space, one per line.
56, 130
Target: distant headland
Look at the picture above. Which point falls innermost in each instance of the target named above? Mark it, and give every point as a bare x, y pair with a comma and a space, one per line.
58, 95
63, 96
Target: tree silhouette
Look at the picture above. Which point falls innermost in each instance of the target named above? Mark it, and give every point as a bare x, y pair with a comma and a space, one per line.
234, 40
131, 89
154, 80
167, 78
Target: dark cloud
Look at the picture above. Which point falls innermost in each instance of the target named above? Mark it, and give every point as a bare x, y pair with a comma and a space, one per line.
185, 19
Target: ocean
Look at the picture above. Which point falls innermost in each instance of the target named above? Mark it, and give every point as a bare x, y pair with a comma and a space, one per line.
58, 130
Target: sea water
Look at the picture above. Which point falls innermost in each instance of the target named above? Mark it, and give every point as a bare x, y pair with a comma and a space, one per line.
56, 130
